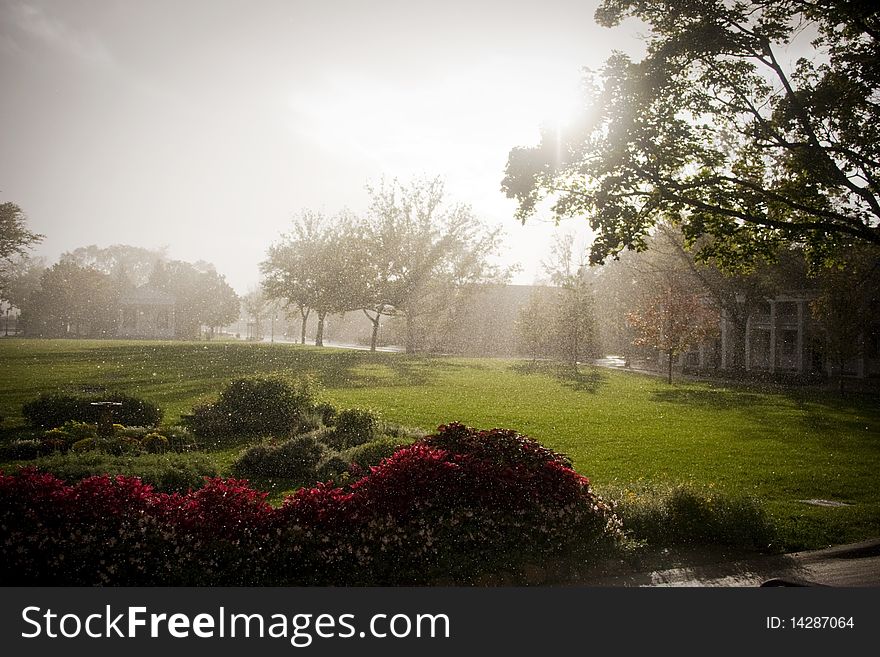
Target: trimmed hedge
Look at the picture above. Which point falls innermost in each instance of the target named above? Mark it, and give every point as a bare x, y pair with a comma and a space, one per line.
54, 409
422, 516
165, 472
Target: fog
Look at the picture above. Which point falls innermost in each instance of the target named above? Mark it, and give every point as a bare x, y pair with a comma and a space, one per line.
204, 126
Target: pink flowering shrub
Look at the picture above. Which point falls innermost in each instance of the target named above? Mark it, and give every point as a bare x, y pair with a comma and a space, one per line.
453, 506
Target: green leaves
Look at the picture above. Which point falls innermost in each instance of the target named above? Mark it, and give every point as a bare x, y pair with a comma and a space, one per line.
716, 132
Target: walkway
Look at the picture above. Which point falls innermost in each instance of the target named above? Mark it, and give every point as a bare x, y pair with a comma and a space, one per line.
857, 564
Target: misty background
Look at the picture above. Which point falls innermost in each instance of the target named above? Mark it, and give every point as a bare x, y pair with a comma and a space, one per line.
204, 126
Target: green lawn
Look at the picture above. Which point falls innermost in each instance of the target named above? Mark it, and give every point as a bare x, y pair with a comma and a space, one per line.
621, 429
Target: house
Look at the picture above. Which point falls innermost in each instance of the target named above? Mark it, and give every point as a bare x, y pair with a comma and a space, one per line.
780, 337
146, 312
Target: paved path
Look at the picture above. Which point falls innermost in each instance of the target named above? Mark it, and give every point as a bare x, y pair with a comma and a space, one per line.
857, 564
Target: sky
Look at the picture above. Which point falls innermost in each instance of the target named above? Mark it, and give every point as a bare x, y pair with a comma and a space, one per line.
205, 126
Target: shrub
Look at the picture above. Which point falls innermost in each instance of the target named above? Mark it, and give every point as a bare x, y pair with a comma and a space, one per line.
331, 467
84, 445
180, 439
327, 412
424, 513
353, 426
683, 515
371, 453
208, 421
53, 410
166, 472
295, 458
79, 430
22, 450
255, 406
154, 443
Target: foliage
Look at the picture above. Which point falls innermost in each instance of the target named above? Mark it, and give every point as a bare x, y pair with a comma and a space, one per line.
327, 413
771, 442
423, 514
15, 240
685, 515
353, 426
712, 130
154, 443
295, 458
128, 266
316, 266
169, 472
22, 450
847, 304
202, 296
54, 409
71, 301
672, 322
427, 254
255, 406
332, 467
371, 453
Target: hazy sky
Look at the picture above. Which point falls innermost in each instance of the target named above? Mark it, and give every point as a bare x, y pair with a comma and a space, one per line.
205, 125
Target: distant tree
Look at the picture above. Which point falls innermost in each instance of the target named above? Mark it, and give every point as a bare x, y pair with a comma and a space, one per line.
573, 316
847, 305
715, 132
316, 267
425, 253
254, 305
130, 266
15, 242
15, 238
23, 281
71, 301
535, 327
673, 321
202, 297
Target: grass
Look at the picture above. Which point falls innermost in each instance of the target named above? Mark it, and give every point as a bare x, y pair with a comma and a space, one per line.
623, 430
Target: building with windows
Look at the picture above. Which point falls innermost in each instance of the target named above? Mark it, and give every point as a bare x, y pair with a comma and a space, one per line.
781, 338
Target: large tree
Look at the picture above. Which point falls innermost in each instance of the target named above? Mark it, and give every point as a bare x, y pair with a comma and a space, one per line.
202, 297
715, 131
128, 265
847, 307
71, 301
425, 255
316, 267
15, 242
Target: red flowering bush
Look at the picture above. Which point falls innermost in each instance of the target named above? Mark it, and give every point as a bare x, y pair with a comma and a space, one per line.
456, 505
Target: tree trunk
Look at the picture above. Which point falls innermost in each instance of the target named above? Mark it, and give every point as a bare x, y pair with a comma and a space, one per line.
319, 334
374, 338
305, 316
670, 365
410, 335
